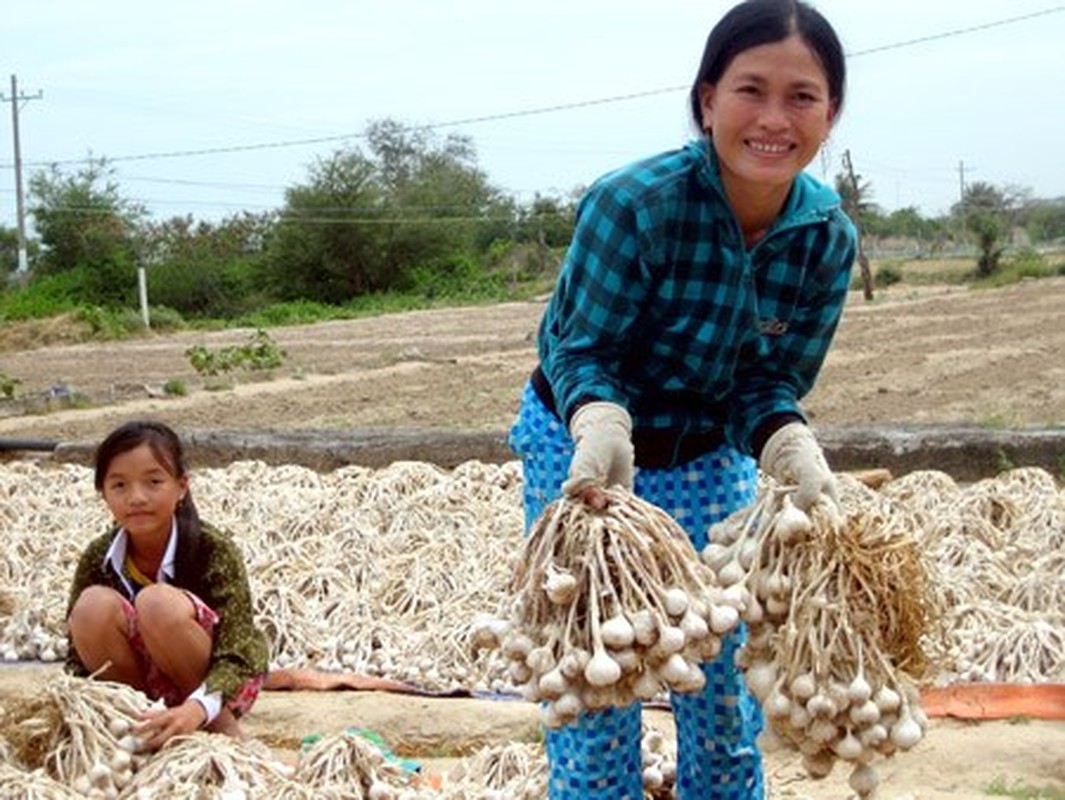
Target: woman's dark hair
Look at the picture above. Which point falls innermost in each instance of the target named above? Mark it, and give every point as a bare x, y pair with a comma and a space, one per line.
165, 445
756, 22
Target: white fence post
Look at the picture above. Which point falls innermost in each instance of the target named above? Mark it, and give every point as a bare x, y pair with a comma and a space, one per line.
142, 292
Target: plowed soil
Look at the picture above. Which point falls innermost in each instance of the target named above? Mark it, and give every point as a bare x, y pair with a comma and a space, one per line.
939, 355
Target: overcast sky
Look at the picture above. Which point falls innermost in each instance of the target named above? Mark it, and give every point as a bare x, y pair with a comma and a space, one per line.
257, 80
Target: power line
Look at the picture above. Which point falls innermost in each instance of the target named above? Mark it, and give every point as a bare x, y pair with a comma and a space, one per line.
362, 135
344, 217
957, 32
207, 184
524, 112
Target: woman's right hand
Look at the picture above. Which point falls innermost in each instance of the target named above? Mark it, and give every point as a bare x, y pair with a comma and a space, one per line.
603, 452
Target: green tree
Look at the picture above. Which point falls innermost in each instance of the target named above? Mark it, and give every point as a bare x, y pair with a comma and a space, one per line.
856, 197
326, 244
985, 211
8, 250
368, 222
84, 223
436, 195
908, 223
204, 268
1044, 220
549, 220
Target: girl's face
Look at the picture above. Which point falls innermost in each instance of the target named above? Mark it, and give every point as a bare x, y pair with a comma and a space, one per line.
769, 114
142, 494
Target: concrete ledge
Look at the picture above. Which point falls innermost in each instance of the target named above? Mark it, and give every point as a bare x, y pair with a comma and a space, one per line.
325, 450
966, 453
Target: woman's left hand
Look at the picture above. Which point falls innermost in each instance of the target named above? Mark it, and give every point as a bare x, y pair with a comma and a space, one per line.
157, 727
792, 456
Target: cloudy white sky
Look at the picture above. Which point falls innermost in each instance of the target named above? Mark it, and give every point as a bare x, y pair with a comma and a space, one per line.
271, 85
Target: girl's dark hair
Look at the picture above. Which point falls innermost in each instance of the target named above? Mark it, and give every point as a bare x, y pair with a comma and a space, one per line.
165, 445
756, 22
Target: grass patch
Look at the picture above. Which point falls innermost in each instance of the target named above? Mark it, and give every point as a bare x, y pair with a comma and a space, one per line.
1022, 791
1014, 273
219, 383
927, 271
175, 387
50, 403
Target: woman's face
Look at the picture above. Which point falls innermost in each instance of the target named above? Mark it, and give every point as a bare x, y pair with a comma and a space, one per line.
142, 494
769, 114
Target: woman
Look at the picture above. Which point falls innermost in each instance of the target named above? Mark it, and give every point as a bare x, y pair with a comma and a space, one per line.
694, 309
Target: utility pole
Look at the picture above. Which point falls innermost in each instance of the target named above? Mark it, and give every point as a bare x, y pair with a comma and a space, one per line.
961, 182
14, 99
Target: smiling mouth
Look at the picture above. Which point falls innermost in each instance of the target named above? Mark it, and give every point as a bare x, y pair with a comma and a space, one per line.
769, 148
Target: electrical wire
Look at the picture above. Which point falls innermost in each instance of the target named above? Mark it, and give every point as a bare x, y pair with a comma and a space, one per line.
467, 121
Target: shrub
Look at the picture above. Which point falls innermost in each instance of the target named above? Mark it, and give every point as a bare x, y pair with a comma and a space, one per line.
175, 387
887, 275
44, 296
296, 312
164, 318
8, 386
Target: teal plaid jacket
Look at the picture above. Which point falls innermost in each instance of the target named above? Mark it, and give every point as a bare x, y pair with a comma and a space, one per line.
661, 308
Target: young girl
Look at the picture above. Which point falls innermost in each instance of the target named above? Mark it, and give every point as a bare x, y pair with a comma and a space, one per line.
161, 601
694, 309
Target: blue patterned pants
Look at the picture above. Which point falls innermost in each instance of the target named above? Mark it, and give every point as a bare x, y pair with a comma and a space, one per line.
598, 756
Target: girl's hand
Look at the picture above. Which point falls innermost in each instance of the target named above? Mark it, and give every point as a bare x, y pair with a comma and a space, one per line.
156, 727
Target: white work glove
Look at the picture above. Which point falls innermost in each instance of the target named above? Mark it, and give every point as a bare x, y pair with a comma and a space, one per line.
793, 457
603, 454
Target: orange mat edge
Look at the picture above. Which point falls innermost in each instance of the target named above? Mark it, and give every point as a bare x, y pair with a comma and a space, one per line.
995, 700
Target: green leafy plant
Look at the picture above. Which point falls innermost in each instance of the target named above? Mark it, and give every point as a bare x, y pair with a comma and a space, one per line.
8, 386
258, 354
1003, 462
208, 362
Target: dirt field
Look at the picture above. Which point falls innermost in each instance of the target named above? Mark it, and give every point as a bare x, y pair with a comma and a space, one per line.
990, 357
993, 358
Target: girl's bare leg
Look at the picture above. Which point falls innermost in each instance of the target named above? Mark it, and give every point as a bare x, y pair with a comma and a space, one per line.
175, 642
99, 631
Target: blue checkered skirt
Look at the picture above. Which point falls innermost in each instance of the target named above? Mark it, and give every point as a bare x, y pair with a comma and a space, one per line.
598, 756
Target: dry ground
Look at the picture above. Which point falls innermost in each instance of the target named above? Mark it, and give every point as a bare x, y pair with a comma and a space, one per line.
940, 355
956, 760
944, 355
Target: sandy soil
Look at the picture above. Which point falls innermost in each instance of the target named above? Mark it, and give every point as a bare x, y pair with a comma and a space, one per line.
956, 759
945, 355
939, 355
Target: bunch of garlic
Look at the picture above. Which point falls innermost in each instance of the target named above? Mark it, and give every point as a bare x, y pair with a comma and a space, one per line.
835, 616
611, 607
